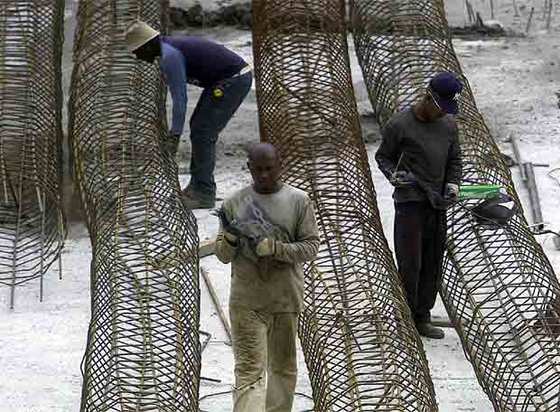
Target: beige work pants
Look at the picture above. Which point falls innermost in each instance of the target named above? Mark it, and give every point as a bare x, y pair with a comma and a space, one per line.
264, 347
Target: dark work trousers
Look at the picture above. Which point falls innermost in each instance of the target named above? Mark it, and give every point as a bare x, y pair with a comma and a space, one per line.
209, 118
419, 244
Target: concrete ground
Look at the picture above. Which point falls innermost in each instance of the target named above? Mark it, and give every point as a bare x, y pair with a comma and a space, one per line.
514, 81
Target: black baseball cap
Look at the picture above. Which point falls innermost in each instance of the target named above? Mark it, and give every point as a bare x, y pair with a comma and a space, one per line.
445, 88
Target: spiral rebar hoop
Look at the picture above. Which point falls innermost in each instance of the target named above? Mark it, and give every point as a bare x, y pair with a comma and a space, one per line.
143, 352
31, 221
360, 345
499, 288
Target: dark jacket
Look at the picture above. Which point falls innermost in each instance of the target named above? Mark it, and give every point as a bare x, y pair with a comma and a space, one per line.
430, 151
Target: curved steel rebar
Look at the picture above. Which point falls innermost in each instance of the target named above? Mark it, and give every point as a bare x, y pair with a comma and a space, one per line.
31, 221
143, 352
360, 345
499, 288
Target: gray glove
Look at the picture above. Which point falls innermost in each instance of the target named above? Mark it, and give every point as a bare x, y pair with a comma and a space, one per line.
171, 144
403, 178
452, 192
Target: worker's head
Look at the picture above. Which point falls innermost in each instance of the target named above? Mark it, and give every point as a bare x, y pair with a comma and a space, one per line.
442, 96
143, 41
264, 164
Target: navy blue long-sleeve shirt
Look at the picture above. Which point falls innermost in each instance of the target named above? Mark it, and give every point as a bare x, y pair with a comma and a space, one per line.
195, 60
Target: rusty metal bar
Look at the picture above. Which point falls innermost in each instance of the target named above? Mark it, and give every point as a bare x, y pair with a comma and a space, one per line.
143, 350
360, 345
499, 288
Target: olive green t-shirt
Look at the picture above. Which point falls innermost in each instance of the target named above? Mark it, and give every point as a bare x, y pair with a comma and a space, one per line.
271, 284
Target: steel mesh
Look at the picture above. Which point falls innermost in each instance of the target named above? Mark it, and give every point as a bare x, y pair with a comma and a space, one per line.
360, 345
499, 288
31, 222
143, 352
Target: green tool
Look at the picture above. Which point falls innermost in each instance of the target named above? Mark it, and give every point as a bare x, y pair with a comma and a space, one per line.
480, 191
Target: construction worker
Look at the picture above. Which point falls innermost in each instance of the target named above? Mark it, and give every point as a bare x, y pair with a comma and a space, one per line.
267, 231
226, 80
420, 156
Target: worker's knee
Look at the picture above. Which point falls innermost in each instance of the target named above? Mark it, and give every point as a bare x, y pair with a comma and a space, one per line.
248, 375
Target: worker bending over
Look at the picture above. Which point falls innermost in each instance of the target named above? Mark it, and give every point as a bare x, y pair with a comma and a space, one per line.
226, 80
268, 230
420, 156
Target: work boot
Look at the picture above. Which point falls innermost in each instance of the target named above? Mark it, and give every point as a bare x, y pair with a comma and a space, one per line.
428, 330
197, 200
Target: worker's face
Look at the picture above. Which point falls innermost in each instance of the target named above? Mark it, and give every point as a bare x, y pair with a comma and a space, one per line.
148, 52
265, 171
432, 109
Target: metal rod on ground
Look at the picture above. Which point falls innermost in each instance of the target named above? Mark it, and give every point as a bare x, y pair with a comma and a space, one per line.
517, 154
531, 184
216, 302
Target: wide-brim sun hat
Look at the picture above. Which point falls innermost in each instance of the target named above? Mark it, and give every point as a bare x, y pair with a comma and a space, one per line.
138, 34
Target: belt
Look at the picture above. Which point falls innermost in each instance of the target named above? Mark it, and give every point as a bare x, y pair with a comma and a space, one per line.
245, 70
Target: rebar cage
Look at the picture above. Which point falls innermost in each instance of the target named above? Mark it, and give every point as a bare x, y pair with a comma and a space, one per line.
31, 220
499, 288
360, 345
143, 352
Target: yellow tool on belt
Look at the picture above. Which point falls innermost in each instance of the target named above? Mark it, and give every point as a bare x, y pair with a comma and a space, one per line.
218, 92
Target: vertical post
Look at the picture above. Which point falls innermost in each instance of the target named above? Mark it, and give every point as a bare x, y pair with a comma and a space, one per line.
530, 20
492, 16
549, 16
515, 9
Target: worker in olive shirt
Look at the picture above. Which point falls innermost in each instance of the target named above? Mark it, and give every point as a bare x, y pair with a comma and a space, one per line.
269, 233
420, 156
225, 79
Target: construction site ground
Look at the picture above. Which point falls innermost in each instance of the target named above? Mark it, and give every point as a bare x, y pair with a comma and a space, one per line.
514, 79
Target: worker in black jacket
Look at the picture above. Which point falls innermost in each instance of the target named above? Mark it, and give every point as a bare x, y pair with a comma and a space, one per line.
420, 156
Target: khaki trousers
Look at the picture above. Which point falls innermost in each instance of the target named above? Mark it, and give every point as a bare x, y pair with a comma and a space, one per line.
264, 348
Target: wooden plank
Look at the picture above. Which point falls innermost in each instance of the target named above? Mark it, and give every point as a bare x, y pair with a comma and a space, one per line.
216, 302
206, 248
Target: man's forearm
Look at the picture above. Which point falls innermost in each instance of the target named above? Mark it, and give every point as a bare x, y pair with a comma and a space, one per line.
297, 252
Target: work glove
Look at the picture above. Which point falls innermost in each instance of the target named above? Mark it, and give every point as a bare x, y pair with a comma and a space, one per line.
230, 231
266, 247
230, 238
452, 192
171, 144
402, 178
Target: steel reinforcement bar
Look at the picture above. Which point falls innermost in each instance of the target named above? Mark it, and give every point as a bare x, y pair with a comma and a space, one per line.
31, 221
360, 345
143, 352
499, 288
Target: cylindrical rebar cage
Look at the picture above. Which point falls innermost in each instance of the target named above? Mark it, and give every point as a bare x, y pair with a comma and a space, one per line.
143, 351
360, 345
31, 221
499, 288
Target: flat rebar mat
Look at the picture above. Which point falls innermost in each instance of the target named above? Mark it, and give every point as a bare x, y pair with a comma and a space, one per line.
31, 222
360, 345
143, 352
499, 288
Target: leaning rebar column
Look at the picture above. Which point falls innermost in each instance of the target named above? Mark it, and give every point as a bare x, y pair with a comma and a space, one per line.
31, 222
360, 345
499, 288
143, 350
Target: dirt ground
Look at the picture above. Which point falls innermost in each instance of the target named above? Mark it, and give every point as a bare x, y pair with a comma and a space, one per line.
514, 80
